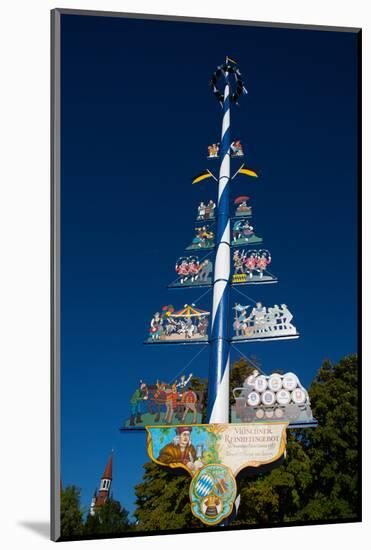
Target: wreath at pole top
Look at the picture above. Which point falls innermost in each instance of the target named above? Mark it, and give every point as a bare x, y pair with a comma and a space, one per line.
223, 70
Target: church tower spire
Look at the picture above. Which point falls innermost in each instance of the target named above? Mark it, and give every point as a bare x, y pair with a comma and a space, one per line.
102, 495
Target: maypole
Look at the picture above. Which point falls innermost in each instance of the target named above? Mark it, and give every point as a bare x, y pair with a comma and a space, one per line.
215, 453
218, 389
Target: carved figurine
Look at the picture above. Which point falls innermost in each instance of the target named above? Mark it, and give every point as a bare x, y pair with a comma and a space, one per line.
262, 322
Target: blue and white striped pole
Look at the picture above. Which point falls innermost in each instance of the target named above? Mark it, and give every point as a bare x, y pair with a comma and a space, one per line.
218, 392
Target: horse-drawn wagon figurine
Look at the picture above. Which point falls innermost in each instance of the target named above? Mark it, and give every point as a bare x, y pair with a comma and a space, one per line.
166, 403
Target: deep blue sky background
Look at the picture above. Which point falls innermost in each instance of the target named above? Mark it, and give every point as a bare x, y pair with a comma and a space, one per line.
137, 116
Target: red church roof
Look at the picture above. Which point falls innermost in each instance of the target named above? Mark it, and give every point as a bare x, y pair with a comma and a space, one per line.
107, 474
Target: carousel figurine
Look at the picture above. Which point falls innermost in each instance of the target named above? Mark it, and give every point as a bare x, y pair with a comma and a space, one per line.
187, 324
263, 259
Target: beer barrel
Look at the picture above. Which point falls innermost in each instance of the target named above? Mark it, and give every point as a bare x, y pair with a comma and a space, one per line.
268, 397
275, 382
298, 396
261, 383
283, 397
253, 399
290, 381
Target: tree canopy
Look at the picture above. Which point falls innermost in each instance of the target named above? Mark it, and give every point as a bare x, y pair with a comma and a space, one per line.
71, 513
109, 518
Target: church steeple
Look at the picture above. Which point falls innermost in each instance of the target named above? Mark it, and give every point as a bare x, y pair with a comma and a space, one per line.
106, 479
104, 488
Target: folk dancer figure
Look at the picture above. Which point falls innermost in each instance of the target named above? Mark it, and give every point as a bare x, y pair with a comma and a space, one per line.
194, 268
250, 264
182, 270
200, 236
247, 231
262, 261
242, 230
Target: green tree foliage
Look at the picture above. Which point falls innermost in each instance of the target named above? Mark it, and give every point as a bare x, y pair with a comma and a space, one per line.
333, 446
200, 384
162, 500
276, 496
317, 481
71, 513
240, 370
109, 518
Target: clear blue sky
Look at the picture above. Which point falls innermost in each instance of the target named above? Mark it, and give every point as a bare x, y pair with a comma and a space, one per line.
137, 116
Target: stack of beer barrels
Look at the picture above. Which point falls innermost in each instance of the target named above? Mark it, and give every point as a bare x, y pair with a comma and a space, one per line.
278, 397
